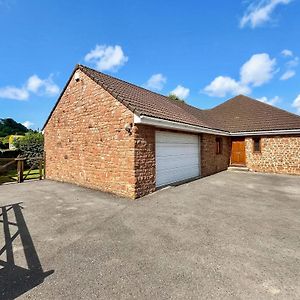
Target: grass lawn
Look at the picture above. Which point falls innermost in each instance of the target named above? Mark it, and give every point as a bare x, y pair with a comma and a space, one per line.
12, 176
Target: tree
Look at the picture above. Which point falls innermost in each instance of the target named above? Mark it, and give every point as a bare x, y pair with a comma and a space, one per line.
175, 98
9, 126
31, 146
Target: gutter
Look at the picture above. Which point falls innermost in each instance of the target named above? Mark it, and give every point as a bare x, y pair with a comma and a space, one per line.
266, 132
162, 123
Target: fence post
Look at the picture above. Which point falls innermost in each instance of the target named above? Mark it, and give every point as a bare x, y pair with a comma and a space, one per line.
44, 161
41, 169
20, 166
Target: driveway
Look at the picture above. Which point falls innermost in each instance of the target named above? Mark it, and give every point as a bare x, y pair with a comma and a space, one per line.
230, 235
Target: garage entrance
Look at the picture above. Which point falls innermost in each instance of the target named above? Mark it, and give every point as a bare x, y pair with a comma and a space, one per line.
177, 157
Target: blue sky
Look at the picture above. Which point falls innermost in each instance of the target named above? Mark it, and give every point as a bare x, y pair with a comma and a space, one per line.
204, 51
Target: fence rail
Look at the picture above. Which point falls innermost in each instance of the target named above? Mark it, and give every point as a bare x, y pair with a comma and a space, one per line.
6, 163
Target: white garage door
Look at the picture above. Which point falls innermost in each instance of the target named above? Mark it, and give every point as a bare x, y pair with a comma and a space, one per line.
177, 157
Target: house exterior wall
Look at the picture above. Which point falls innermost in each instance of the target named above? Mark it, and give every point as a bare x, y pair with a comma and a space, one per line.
211, 162
86, 143
144, 159
279, 154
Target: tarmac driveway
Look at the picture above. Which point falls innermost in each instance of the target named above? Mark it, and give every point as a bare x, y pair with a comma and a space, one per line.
231, 235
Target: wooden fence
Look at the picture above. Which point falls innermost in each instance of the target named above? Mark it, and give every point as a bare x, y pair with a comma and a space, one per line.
7, 163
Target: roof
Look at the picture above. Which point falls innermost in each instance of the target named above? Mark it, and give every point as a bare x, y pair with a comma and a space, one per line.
239, 114
244, 114
142, 101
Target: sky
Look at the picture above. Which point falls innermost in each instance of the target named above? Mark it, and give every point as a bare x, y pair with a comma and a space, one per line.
203, 51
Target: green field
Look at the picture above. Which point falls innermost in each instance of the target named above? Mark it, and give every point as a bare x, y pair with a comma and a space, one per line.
12, 176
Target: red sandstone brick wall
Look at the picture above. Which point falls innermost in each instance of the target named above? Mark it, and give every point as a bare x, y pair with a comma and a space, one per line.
279, 154
144, 159
211, 162
85, 140
86, 144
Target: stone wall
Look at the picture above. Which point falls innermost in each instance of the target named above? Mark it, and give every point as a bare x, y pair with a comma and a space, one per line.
211, 162
279, 154
86, 143
144, 159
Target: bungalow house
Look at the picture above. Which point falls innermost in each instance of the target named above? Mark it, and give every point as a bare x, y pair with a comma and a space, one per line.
111, 135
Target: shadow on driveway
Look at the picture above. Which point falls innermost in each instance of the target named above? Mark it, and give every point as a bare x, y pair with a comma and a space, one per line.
16, 280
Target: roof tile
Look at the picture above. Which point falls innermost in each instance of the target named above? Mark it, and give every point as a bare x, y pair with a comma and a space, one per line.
239, 114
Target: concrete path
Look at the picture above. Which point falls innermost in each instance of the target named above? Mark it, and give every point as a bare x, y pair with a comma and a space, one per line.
231, 235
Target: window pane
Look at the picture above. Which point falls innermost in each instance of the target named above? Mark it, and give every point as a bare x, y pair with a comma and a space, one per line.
256, 144
218, 145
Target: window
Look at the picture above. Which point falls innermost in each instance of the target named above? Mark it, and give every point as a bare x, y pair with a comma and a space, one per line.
218, 145
256, 144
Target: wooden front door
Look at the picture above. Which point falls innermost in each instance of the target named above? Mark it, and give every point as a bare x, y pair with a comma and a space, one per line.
238, 155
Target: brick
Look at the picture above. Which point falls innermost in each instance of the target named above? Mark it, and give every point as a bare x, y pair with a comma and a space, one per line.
86, 144
211, 162
279, 154
92, 121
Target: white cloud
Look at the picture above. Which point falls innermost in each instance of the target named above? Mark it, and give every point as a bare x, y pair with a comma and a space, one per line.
34, 85
287, 75
290, 65
258, 70
107, 58
293, 63
271, 101
156, 82
181, 92
27, 124
42, 86
296, 104
222, 86
260, 12
287, 53
11, 92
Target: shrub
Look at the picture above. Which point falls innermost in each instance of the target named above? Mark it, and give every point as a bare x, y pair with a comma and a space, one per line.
31, 146
4, 142
12, 140
6, 153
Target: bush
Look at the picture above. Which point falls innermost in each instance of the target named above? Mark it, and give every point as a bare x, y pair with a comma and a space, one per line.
31, 146
6, 153
4, 142
12, 140
2, 145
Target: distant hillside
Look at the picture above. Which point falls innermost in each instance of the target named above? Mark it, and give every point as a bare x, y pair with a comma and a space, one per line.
10, 126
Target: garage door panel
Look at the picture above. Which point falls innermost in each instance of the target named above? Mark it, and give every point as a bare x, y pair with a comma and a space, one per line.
169, 177
175, 138
176, 145
174, 149
185, 170
177, 157
168, 163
